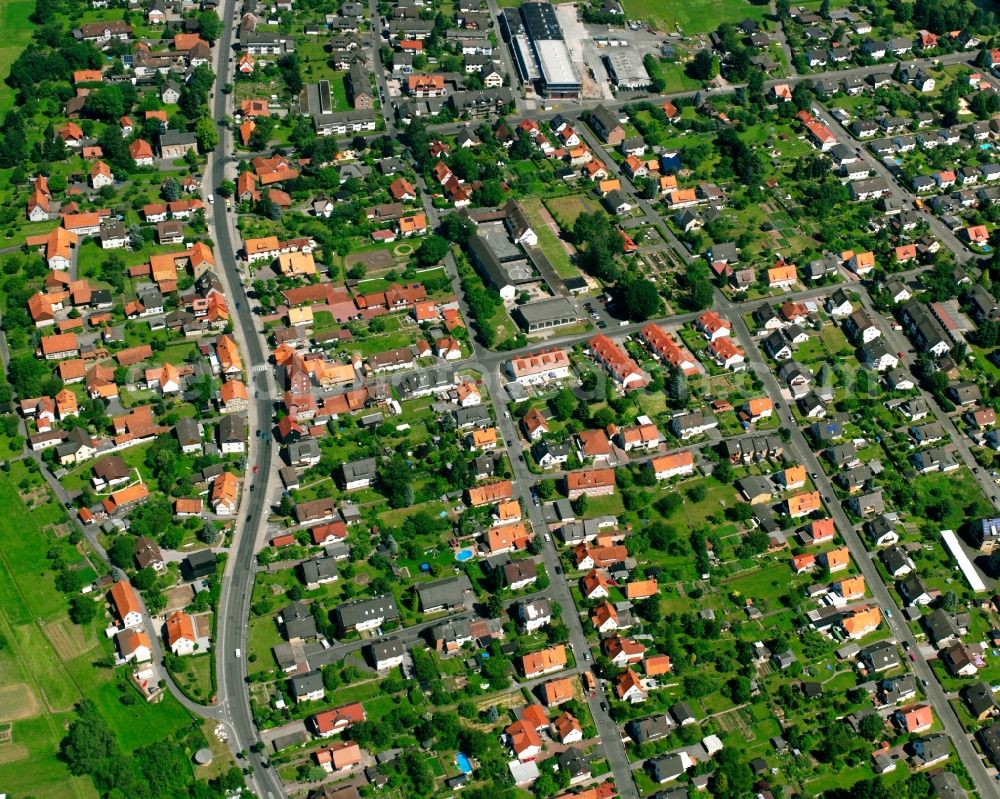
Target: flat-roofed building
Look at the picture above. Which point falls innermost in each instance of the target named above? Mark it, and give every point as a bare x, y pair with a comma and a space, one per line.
539, 49
625, 68
546, 314
319, 105
499, 259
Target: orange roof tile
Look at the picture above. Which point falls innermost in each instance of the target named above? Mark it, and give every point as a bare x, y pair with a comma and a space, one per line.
553, 657
180, 626
490, 493
555, 691
640, 589
185, 505
804, 504
125, 599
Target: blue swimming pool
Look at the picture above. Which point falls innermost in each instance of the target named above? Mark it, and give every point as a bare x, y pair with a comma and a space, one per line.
462, 760
463, 555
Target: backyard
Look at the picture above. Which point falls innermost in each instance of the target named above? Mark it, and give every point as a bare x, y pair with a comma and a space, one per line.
46, 661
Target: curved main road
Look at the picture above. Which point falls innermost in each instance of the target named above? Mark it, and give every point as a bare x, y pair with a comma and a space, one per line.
237, 581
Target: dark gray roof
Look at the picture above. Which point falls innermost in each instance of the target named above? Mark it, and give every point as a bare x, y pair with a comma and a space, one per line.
681, 711
187, 431
881, 655
231, 428
298, 621
318, 569
306, 683
933, 746
978, 697
386, 648
366, 468
362, 610
470, 416
651, 728
447, 592
666, 767
573, 762
603, 118
176, 137
894, 559
940, 626
520, 570
946, 786
303, 448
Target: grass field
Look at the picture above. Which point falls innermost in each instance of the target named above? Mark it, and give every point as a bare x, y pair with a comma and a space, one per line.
16, 34
548, 241
47, 665
565, 210
196, 678
676, 79
700, 17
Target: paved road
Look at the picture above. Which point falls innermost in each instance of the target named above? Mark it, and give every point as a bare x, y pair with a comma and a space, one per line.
381, 70
898, 343
237, 586
523, 479
650, 215
942, 231
573, 108
506, 58
317, 656
802, 452
237, 582
779, 38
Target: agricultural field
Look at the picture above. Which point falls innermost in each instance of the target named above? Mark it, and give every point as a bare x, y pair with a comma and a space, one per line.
692, 18
17, 29
47, 661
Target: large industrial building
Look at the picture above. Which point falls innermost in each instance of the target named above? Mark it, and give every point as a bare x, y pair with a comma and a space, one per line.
625, 68
539, 49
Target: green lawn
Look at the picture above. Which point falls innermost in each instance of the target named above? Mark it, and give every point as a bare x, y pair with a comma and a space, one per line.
196, 677
700, 17
548, 242
338, 93
140, 724
48, 663
264, 636
762, 584
322, 320
502, 325
610, 505
841, 778
17, 29
676, 79
566, 209
28, 589
382, 342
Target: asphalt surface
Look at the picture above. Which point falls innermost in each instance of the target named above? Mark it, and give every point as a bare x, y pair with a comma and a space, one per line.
237, 584
938, 228
233, 707
802, 453
608, 731
573, 108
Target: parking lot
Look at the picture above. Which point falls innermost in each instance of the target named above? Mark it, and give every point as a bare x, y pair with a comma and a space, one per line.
581, 39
